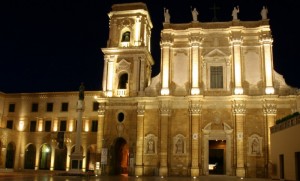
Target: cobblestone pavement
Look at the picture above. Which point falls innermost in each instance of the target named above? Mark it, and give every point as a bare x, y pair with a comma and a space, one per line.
50, 176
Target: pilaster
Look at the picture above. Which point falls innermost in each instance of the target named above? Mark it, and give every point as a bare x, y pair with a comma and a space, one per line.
239, 110
140, 140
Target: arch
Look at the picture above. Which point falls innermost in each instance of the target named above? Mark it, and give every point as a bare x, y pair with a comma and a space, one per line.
45, 157
60, 158
10, 155
30, 154
120, 156
91, 157
123, 81
126, 36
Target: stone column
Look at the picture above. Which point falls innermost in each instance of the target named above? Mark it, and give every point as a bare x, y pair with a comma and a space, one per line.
164, 123
239, 111
270, 111
195, 109
140, 140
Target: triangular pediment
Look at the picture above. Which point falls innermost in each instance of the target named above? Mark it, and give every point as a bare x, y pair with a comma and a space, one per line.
216, 53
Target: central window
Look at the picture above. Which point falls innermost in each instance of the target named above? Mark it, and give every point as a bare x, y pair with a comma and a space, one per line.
216, 77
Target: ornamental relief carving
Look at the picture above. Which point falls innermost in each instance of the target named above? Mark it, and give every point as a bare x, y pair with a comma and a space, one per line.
255, 145
179, 144
238, 108
123, 65
150, 144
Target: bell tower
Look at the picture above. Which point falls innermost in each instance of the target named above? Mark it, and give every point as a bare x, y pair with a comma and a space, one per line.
128, 61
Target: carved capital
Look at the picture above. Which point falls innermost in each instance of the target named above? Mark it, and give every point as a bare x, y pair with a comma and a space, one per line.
101, 110
270, 108
238, 107
195, 108
141, 109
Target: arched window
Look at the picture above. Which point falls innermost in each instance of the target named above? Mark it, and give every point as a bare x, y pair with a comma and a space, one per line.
123, 80
126, 37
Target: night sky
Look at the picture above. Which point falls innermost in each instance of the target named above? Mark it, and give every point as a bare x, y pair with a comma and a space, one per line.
54, 45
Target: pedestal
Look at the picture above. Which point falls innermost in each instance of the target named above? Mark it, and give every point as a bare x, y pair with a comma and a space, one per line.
76, 162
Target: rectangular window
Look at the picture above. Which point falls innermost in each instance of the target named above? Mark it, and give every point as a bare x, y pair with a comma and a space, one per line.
94, 125
9, 124
216, 77
95, 106
63, 125
11, 108
49, 107
48, 126
34, 107
32, 126
64, 106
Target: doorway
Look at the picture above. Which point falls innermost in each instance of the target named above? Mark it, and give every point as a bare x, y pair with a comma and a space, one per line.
217, 160
120, 157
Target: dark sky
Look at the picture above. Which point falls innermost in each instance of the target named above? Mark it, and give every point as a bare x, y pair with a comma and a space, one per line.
54, 45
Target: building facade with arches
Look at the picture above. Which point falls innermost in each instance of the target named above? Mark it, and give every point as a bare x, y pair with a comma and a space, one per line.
213, 103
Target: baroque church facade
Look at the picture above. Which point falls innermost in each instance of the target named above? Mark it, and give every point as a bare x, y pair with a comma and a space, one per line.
209, 110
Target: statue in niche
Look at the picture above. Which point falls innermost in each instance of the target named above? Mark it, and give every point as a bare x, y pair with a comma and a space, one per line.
151, 146
179, 146
255, 147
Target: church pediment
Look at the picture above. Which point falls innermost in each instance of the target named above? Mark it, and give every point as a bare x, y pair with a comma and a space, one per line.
216, 53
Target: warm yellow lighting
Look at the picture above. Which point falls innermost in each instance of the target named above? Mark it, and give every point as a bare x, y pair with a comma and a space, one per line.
86, 125
137, 31
40, 127
71, 125
195, 91
109, 94
55, 125
21, 125
270, 90
165, 91
238, 91
125, 44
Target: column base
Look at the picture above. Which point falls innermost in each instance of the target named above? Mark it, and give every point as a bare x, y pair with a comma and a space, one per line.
240, 172
138, 170
163, 171
195, 172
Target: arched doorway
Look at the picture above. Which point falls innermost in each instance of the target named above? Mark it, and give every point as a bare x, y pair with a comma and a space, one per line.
120, 157
10, 155
45, 157
60, 158
29, 160
91, 157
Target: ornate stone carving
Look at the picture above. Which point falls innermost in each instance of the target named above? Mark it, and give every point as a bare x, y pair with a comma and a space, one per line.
150, 144
167, 40
123, 65
269, 108
195, 108
179, 144
140, 109
101, 109
255, 145
164, 108
238, 108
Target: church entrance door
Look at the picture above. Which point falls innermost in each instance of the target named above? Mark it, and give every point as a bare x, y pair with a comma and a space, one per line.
217, 156
120, 157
